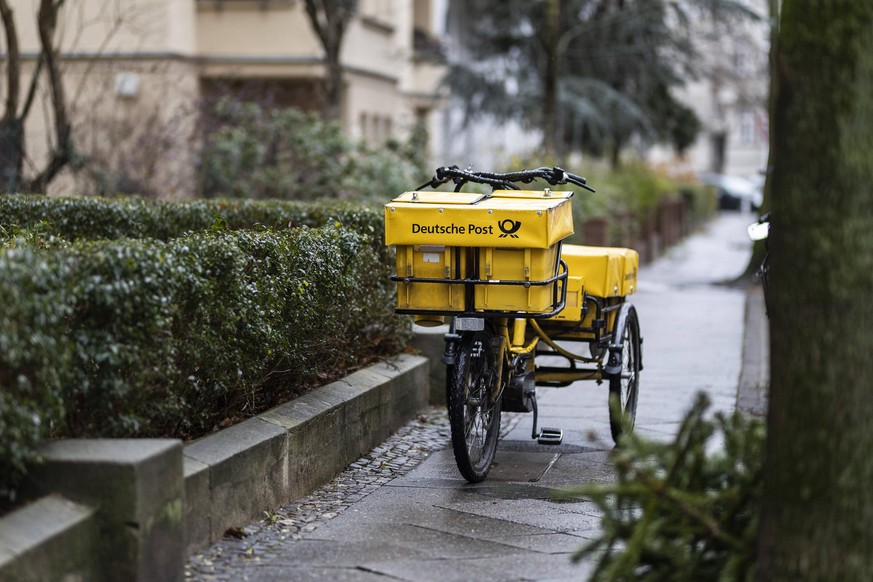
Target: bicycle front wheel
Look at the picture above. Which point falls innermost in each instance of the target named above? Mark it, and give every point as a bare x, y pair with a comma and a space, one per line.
474, 413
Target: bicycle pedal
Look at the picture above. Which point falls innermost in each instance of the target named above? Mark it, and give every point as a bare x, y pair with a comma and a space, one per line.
550, 436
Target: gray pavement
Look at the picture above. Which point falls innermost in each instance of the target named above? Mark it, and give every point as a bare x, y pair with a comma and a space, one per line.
404, 513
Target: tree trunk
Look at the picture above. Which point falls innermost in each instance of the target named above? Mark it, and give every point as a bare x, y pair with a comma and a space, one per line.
329, 19
11, 135
11, 155
818, 481
12, 152
334, 90
550, 79
62, 152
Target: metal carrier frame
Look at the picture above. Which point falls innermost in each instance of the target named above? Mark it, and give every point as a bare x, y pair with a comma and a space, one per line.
559, 300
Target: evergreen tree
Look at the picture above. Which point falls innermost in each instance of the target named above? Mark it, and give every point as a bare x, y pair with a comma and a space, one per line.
591, 74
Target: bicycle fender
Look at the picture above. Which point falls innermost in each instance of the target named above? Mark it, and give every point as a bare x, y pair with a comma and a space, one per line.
613, 365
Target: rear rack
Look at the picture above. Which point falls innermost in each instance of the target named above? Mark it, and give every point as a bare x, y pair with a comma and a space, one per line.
559, 295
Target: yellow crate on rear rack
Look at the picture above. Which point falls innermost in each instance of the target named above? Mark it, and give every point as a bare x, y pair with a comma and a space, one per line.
443, 238
497, 264
435, 262
600, 272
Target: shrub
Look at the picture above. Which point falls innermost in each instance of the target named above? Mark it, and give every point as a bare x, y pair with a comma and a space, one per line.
679, 511
151, 338
32, 312
259, 152
101, 218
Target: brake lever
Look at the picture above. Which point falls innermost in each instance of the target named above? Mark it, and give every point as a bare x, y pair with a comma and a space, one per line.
577, 180
440, 177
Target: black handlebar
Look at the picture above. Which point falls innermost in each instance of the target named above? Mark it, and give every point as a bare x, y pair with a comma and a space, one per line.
553, 176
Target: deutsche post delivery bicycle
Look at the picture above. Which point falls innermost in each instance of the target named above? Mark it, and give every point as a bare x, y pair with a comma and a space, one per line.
496, 267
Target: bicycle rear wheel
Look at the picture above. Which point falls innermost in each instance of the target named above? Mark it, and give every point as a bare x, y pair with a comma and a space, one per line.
624, 387
474, 414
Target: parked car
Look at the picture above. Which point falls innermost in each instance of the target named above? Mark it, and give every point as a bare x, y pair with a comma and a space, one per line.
736, 192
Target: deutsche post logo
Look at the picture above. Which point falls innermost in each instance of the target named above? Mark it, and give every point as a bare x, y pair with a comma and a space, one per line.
509, 228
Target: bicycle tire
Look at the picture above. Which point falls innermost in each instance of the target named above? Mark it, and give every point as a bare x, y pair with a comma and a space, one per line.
474, 416
624, 387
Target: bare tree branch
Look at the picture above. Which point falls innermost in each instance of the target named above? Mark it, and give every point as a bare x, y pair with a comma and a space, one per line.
13, 62
47, 23
31, 91
329, 19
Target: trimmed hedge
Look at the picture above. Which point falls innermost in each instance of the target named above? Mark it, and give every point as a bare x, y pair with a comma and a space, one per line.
103, 218
152, 338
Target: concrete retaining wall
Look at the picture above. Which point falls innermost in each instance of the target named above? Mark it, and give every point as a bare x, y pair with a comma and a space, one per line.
51, 539
431, 343
134, 508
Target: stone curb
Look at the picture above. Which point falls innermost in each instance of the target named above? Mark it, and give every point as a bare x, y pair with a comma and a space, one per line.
754, 381
150, 488
234, 476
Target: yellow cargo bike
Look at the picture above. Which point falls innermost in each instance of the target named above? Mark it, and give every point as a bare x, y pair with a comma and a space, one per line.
494, 266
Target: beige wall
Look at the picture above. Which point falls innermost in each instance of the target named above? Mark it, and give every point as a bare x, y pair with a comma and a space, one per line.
373, 108
111, 27
127, 26
237, 30
140, 130
144, 135
374, 47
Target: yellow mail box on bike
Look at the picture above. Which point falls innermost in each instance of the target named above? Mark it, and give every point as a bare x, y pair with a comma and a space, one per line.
460, 252
597, 271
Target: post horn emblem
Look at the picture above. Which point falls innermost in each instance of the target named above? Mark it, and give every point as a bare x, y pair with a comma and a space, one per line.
509, 228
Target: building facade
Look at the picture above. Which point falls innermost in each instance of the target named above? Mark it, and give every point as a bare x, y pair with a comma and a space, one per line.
138, 72
729, 97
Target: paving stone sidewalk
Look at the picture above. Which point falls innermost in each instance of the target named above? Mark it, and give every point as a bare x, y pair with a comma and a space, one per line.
402, 452
254, 543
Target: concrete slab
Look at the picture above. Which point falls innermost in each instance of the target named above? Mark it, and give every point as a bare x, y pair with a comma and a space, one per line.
404, 541
308, 574
548, 543
50, 535
198, 504
544, 514
755, 376
282, 454
509, 465
137, 486
577, 469
373, 519
519, 566
398, 366
248, 472
348, 554
405, 392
